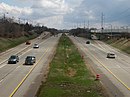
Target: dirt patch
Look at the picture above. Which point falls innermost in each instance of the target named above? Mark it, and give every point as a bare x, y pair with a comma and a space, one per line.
71, 72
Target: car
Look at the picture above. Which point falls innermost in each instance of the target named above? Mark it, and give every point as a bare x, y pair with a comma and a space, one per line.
110, 55
30, 60
36, 45
28, 42
87, 42
13, 59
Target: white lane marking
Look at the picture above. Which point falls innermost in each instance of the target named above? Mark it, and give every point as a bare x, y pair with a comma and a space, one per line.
99, 48
100, 45
1, 66
18, 67
111, 49
3, 61
1, 81
15, 53
118, 66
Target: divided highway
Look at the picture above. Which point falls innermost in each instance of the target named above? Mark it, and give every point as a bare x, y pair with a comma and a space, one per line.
19, 80
114, 73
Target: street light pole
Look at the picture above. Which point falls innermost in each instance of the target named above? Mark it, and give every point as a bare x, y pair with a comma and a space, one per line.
111, 30
4, 16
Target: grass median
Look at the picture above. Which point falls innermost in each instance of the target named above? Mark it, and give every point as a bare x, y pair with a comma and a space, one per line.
68, 75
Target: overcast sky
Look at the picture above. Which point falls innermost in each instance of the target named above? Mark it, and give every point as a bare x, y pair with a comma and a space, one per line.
64, 14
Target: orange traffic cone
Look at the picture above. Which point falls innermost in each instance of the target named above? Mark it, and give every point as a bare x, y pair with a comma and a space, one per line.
82, 56
97, 77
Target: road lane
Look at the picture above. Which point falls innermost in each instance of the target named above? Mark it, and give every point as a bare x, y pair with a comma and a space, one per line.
16, 72
116, 67
19, 49
30, 86
6, 68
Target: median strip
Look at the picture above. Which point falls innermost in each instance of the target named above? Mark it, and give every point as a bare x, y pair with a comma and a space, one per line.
68, 75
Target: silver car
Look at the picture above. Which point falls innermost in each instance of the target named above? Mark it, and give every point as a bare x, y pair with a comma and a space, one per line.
13, 59
36, 45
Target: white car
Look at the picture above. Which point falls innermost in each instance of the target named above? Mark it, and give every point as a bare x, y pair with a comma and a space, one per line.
110, 55
36, 45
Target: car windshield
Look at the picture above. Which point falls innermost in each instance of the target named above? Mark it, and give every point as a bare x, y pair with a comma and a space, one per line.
35, 44
13, 57
112, 54
29, 58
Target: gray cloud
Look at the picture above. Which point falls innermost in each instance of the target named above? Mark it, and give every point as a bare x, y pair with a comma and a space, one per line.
66, 13
115, 12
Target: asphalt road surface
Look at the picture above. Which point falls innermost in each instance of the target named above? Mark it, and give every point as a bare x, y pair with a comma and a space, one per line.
19, 80
114, 73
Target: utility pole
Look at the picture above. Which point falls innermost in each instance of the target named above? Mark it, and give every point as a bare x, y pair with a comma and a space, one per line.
84, 24
88, 24
111, 31
80, 25
19, 20
4, 17
102, 22
77, 25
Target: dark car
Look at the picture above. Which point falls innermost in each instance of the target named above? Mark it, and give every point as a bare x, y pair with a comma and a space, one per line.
13, 59
28, 42
30, 60
87, 42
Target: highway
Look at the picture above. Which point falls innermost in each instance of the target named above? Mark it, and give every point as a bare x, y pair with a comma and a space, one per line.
114, 73
19, 80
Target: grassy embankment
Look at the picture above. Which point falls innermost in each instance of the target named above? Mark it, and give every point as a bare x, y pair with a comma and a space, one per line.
7, 43
68, 75
122, 44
